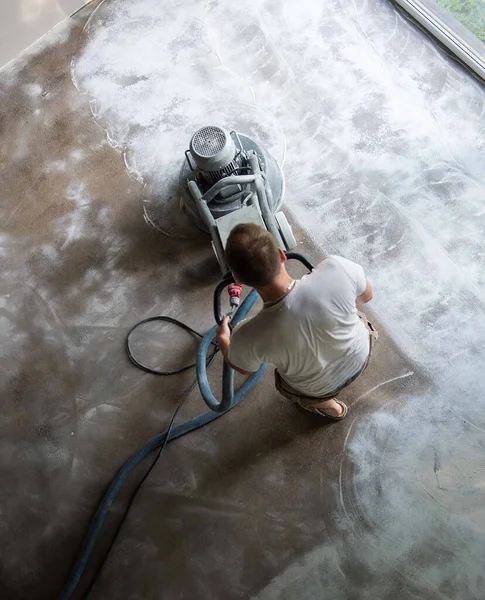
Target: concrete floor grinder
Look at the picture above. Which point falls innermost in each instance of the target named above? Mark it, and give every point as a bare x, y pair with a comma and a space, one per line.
229, 178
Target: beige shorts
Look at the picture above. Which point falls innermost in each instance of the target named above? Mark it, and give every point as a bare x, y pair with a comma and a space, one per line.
309, 401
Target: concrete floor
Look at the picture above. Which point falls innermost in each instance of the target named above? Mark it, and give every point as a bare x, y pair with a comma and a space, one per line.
382, 140
24, 21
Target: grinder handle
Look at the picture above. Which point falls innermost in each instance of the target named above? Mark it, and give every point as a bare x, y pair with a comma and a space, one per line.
228, 279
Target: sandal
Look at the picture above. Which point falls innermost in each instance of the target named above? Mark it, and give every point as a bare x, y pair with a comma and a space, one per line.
322, 413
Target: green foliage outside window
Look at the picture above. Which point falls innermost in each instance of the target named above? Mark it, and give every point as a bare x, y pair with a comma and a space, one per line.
469, 12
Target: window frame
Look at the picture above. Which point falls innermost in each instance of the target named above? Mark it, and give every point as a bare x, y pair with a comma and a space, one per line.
449, 31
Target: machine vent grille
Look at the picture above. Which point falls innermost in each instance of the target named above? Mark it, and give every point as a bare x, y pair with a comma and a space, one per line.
215, 176
208, 141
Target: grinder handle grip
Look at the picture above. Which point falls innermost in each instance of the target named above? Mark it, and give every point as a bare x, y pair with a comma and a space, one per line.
228, 279
218, 314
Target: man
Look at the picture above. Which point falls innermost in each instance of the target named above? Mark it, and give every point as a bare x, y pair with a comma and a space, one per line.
309, 329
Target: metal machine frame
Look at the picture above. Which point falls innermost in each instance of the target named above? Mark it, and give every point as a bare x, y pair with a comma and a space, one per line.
255, 207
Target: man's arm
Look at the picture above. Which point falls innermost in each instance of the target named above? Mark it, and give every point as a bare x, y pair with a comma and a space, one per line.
223, 338
366, 296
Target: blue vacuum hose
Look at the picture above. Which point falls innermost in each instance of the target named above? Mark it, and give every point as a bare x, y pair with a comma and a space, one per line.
229, 401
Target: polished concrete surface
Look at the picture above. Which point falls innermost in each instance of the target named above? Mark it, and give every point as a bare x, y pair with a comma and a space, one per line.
382, 140
22, 22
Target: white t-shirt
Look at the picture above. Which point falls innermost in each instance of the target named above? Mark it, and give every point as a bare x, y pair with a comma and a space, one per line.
313, 336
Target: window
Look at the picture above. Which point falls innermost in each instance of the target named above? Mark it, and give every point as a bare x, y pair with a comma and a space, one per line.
458, 24
471, 13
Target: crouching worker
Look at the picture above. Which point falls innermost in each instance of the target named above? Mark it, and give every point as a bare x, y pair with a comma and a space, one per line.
309, 328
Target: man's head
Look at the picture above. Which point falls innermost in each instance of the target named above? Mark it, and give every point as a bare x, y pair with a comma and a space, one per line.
253, 255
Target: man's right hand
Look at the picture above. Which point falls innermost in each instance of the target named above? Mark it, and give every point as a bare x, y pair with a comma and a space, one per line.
223, 335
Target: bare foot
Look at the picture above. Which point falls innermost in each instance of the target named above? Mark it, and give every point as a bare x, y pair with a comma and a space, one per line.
331, 408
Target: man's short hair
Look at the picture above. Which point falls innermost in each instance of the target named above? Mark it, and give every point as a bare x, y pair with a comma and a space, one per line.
252, 255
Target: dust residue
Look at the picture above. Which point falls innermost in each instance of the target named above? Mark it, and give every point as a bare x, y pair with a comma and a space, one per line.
382, 143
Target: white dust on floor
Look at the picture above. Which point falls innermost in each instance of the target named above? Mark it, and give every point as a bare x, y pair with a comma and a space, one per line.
382, 140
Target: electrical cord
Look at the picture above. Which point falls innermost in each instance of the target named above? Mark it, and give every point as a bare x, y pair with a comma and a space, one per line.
160, 440
185, 396
165, 319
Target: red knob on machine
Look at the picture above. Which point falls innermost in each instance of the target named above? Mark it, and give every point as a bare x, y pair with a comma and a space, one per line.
234, 291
